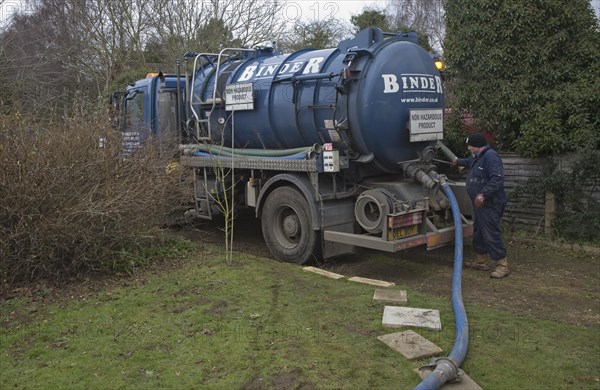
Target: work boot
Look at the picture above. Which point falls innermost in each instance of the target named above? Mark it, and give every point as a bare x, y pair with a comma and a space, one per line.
479, 263
501, 269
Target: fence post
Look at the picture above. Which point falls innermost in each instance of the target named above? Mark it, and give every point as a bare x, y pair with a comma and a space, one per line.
549, 212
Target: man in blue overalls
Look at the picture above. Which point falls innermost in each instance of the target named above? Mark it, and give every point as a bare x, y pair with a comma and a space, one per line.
485, 186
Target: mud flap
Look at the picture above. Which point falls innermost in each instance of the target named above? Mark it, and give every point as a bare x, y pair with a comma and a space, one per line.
338, 217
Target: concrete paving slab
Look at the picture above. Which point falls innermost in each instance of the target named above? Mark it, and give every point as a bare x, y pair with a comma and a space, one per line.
391, 296
372, 282
398, 316
323, 272
466, 382
410, 344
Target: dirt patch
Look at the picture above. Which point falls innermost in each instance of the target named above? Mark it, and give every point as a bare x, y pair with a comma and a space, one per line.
255, 384
217, 309
545, 282
288, 380
285, 380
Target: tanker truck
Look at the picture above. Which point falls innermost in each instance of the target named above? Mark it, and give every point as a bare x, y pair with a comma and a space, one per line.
331, 149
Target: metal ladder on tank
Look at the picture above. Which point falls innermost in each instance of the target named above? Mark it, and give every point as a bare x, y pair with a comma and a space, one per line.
214, 101
204, 199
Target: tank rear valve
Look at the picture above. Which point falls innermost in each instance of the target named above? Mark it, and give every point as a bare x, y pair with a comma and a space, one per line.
429, 180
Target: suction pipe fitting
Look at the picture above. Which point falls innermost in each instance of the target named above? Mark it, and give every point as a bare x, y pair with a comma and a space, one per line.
420, 175
446, 151
449, 154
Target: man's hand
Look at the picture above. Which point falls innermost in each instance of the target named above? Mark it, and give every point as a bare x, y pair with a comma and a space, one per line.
479, 199
454, 163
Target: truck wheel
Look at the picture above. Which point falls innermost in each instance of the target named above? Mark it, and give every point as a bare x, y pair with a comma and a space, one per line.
286, 226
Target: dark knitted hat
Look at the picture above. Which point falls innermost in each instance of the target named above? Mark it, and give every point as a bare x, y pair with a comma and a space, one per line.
477, 140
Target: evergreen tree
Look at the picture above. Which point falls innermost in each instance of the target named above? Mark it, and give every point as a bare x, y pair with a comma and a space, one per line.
371, 18
316, 34
529, 70
388, 23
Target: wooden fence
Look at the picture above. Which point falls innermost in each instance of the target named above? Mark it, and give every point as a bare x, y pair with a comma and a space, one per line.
517, 171
537, 214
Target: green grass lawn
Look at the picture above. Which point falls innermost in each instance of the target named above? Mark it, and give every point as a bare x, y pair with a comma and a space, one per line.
258, 323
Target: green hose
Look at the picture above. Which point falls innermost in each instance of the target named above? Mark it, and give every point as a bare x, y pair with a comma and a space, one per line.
228, 152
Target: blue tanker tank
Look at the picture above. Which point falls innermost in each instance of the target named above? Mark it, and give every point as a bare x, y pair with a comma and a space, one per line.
358, 96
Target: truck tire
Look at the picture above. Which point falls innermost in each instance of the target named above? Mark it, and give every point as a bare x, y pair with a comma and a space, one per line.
286, 226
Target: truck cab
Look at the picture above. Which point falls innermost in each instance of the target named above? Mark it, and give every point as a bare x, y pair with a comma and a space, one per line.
149, 110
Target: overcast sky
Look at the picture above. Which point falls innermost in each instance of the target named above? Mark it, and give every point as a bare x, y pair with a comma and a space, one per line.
344, 9
305, 10
308, 10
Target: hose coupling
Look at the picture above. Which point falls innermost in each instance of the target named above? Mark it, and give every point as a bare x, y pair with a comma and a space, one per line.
415, 171
445, 369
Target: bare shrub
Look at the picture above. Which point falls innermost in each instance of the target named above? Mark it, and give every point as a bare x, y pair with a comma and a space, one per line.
69, 205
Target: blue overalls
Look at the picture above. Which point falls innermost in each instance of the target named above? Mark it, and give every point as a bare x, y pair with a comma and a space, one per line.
486, 176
